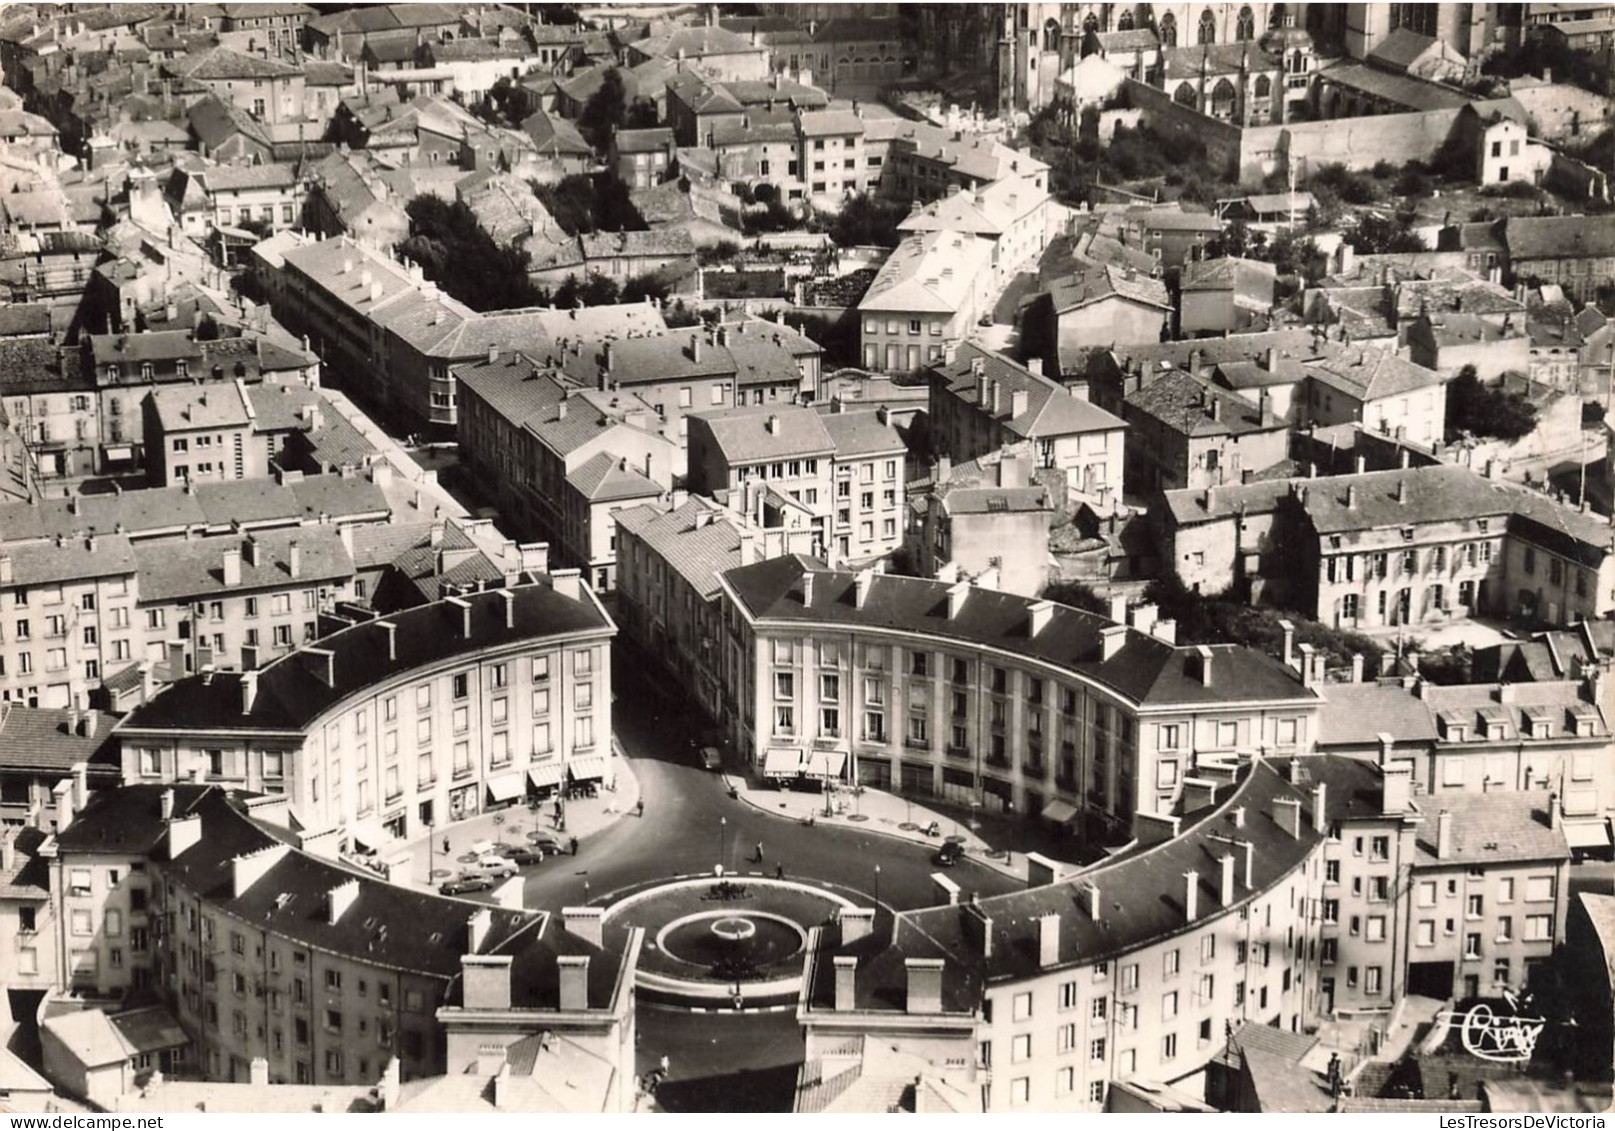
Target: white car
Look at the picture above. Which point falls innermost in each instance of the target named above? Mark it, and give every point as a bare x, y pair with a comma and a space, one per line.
495, 866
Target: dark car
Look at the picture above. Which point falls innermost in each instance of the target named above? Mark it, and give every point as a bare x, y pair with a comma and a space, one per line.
950, 854
517, 854
465, 885
985, 320
546, 844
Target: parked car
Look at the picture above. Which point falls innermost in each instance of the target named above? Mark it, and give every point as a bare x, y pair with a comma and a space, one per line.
711, 759
465, 885
950, 854
548, 845
494, 866
522, 856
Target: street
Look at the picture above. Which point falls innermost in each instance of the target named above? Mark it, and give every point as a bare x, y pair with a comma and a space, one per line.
691, 824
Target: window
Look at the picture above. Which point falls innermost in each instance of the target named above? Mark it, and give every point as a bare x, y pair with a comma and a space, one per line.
1538, 928
1019, 1091
1375, 929
1505, 928
1021, 1007
1425, 933
1538, 888
1427, 893
1020, 1048
1169, 1005
1169, 1047
1172, 963
1505, 890
1371, 980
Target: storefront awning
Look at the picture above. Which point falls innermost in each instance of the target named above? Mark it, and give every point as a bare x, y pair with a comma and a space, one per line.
591, 768
782, 762
372, 835
824, 763
118, 452
545, 775
1060, 812
506, 787
1587, 834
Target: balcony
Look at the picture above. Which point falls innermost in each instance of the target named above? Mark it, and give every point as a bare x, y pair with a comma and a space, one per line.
958, 751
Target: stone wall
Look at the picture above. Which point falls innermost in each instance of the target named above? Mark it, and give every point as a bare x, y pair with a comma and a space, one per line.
1356, 143
1221, 139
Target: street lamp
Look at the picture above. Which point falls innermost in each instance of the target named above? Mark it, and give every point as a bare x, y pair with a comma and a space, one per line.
877, 885
723, 836
431, 854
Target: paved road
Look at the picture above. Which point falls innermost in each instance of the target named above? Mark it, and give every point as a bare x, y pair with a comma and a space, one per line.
691, 824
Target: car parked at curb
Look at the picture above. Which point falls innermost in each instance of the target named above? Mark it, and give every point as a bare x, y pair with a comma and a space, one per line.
494, 866
465, 885
950, 854
522, 856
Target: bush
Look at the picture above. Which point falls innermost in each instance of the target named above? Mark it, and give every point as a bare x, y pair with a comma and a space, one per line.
1479, 411
1353, 188
1374, 234
866, 220
456, 254
1414, 181
1224, 619
1384, 170
582, 203
721, 252
1513, 190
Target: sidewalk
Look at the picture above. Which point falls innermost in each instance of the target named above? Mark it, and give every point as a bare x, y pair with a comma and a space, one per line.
875, 811
584, 818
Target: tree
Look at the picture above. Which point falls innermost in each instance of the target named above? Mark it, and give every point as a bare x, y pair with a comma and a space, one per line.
454, 252
606, 109
641, 115
1479, 411
865, 220
1077, 595
1374, 234
599, 290
582, 203
638, 288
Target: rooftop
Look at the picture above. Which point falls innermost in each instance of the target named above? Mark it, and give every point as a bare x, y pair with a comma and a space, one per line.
1144, 668
1491, 828
291, 694
1050, 409
747, 435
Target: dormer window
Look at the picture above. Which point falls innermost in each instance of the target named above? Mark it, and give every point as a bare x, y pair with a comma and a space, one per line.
1407, 534
1484, 525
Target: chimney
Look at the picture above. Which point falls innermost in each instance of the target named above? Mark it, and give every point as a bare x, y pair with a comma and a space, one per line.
339, 899
1111, 640
1265, 403
184, 833
81, 786
249, 691
1357, 667
846, 982
1225, 868
1048, 940
856, 923
1191, 896
464, 607
1249, 850
695, 347
294, 559
510, 607
64, 805
391, 631
574, 980
1351, 494
956, 598
1204, 653
1555, 811
1144, 617
1289, 642
1402, 490
1396, 787
1094, 902
1308, 668
1443, 834
772, 424
1320, 813
1287, 814
861, 582
232, 566
1039, 614
258, 1072
485, 981
924, 985
390, 1076
166, 805
807, 589
1118, 608
587, 923
1018, 402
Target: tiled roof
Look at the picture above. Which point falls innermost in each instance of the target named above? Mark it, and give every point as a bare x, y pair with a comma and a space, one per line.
929, 273
1140, 897
1368, 373
653, 140
90, 1036
1300, 202
43, 740
555, 136
227, 178
861, 434
216, 122
1051, 411
666, 242
1559, 237
1248, 278
742, 435
49, 563
1354, 714
290, 695
184, 408
38, 365
957, 212
1399, 49
830, 123
177, 571
651, 360
1191, 61
1094, 283
1414, 94
1145, 669
1185, 405
694, 43
221, 63
605, 478
1491, 828
699, 550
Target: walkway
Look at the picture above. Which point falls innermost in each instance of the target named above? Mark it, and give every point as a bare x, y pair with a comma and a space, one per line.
585, 818
876, 811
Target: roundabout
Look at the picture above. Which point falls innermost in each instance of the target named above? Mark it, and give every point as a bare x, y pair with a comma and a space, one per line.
715, 942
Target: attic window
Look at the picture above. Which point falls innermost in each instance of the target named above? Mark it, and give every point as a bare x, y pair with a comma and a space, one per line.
1484, 524
1407, 534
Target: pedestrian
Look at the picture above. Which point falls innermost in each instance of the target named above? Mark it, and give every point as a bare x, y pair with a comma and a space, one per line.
667, 1065
779, 871
574, 846
759, 857
445, 846
639, 808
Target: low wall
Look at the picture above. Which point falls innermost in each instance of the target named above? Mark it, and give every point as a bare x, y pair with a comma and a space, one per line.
1221, 139
1356, 143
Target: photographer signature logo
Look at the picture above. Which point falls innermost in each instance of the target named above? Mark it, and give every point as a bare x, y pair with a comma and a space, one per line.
1500, 1038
